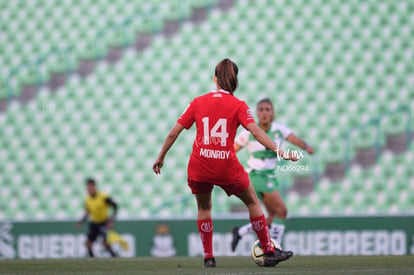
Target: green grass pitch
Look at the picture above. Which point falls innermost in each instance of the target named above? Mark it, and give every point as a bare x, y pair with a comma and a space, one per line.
225, 265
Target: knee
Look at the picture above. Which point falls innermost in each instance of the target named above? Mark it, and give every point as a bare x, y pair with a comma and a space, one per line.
281, 212
254, 208
204, 207
88, 244
254, 202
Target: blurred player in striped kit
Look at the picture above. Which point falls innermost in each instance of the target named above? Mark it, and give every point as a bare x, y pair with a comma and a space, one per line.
262, 173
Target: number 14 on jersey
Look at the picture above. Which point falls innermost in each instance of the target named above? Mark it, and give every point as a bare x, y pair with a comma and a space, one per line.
218, 131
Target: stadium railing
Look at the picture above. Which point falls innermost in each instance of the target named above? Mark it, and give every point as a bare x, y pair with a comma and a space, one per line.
35, 67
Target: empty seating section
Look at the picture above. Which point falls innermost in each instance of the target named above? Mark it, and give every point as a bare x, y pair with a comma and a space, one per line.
61, 32
327, 65
386, 188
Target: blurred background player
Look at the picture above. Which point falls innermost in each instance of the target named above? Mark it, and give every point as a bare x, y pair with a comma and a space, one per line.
262, 163
96, 208
214, 162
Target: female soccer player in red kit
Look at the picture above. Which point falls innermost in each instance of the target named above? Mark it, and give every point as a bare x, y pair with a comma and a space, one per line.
213, 160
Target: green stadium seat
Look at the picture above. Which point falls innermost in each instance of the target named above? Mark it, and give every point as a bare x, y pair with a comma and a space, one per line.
338, 65
38, 37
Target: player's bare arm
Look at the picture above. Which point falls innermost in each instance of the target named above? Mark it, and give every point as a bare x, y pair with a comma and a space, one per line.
237, 147
261, 137
83, 219
295, 140
114, 206
169, 141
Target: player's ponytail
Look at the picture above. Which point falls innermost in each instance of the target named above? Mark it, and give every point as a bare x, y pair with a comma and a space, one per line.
226, 74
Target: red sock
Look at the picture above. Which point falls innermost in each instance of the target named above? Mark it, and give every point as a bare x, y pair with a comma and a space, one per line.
205, 227
259, 225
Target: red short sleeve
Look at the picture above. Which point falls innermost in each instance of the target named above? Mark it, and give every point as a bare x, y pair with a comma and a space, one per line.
244, 115
187, 118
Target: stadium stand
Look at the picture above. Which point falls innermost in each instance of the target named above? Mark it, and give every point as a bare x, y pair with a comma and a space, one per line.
328, 66
385, 188
73, 30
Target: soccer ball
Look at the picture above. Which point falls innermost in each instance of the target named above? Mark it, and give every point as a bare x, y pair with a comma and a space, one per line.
257, 252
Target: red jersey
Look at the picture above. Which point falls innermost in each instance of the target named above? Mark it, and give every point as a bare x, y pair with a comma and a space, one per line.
217, 116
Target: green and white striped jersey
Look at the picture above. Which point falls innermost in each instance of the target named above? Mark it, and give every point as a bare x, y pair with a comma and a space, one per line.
260, 157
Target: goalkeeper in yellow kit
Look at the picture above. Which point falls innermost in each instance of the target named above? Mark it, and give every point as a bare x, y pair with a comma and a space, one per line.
96, 208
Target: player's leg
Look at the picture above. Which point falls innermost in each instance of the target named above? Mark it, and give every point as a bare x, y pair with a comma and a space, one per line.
259, 182
205, 227
202, 193
103, 230
259, 225
238, 233
276, 209
257, 218
91, 237
89, 248
109, 248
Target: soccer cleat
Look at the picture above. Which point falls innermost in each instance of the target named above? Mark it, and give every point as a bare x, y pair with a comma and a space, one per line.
273, 259
210, 262
289, 253
236, 238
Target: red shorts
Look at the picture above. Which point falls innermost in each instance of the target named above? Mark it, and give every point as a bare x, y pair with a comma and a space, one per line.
235, 188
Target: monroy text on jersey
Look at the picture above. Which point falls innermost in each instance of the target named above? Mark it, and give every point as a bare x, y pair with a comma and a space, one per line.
214, 154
